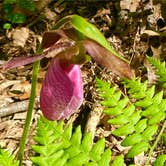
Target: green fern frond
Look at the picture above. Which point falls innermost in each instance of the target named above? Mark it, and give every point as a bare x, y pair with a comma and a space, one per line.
57, 145
6, 159
119, 161
137, 116
160, 161
160, 69
136, 88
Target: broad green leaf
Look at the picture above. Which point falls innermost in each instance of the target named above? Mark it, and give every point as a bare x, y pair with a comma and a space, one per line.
26, 5
7, 26
90, 31
94, 42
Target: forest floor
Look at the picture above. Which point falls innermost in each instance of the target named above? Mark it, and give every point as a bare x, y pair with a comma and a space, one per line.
129, 26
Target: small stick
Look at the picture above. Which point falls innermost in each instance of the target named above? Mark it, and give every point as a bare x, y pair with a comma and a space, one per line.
93, 120
14, 108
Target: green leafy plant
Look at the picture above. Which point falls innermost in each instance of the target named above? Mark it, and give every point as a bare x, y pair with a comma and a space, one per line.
160, 70
137, 116
64, 71
6, 159
15, 11
60, 146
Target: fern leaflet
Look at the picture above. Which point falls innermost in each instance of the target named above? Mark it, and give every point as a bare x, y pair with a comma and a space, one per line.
6, 159
135, 116
160, 69
57, 145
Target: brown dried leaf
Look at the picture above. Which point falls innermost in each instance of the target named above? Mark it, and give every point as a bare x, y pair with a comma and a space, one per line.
152, 78
6, 83
151, 33
130, 5
20, 36
21, 91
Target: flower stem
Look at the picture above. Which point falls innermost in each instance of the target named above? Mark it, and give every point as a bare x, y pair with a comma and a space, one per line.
30, 110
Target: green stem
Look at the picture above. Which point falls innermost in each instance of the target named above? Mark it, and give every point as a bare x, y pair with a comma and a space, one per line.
155, 143
30, 110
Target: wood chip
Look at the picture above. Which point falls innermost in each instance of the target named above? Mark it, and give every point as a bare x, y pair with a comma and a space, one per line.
20, 36
130, 5
93, 120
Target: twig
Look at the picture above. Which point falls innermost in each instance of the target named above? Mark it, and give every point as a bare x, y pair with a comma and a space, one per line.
14, 108
93, 120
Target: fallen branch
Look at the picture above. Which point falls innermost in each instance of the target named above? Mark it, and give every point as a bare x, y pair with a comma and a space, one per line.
14, 108
93, 119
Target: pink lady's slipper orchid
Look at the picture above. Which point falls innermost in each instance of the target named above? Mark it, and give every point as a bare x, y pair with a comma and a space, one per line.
62, 90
